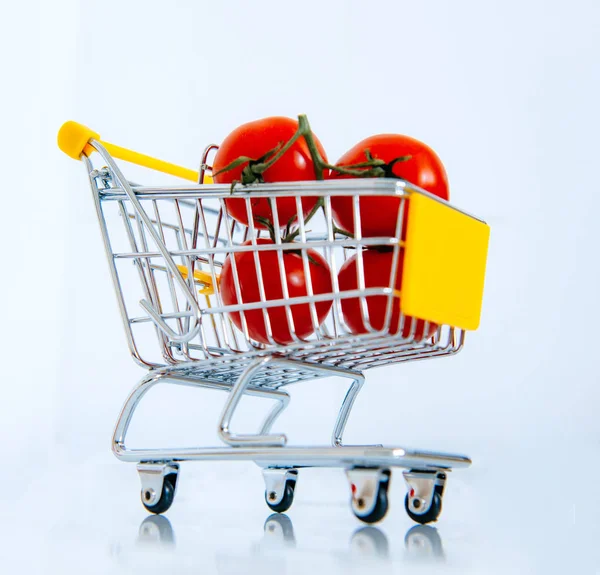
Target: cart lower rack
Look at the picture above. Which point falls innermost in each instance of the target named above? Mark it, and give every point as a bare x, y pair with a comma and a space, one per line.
169, 250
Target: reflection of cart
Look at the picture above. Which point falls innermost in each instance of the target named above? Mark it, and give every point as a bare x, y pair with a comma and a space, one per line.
171, 243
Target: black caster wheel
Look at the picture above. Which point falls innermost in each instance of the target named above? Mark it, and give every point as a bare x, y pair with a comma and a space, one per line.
369, 486
166, 497
379, 510
430, 515
286, 501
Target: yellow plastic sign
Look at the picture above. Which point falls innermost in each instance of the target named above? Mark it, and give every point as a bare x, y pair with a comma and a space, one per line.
444, 264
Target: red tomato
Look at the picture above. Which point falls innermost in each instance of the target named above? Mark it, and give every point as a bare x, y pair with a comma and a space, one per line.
378, 269
296, 285
253, 140
379, 214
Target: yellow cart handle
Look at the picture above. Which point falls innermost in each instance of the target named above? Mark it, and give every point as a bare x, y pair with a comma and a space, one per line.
73, 140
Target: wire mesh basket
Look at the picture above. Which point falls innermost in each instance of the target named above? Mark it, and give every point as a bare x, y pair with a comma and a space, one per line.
176, 241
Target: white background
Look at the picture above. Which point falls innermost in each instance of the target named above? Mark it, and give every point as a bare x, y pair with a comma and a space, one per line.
506, 92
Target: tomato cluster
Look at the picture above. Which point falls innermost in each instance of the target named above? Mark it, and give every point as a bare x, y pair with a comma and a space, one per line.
280, 149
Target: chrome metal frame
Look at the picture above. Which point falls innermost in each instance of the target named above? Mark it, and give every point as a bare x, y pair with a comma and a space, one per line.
185, 338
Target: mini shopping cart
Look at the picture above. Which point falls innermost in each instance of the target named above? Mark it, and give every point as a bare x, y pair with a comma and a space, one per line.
166, 247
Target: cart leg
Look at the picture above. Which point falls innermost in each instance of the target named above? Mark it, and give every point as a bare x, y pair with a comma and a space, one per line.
118, 440
284, 399
264, 438
153, 378
344, 413
240, 387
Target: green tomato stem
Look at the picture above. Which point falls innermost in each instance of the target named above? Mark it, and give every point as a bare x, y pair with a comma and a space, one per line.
293, 235
254, 170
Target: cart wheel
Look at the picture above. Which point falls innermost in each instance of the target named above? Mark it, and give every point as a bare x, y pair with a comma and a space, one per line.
369, 488
166, 497
429, 516
286, 501
379, 510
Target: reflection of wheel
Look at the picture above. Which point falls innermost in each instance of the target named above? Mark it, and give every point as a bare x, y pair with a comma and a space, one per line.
424, 541
279, 526
156, 529
428, 516
166, 497
369, 542
286, 501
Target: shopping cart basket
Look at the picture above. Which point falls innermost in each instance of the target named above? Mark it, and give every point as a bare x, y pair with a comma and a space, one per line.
166, 248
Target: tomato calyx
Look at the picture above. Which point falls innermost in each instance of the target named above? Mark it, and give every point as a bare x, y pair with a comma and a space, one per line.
371, 168
288, 239
310, 258
254, 169
289, 235
268, 224
387, 169
253, 172
257, 167
342, 232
